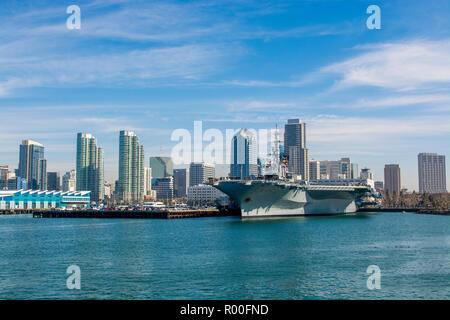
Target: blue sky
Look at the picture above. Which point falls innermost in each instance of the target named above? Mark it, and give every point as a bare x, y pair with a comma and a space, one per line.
376, 96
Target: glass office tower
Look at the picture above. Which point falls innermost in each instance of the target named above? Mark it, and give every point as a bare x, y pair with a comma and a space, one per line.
30, 166
131, 183
89, 172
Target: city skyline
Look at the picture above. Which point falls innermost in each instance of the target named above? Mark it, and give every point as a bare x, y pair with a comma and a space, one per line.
342, 164
364, 93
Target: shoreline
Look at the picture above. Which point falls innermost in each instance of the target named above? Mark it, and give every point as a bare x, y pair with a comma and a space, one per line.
410, 210
178, 214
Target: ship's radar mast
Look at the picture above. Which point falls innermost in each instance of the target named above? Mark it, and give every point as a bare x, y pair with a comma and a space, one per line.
273, 161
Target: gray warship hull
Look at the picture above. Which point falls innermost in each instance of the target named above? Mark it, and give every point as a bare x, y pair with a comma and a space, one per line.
262, 198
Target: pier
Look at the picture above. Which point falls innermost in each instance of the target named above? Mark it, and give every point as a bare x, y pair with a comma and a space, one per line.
432, 211
134, 214
15, 211
374, 209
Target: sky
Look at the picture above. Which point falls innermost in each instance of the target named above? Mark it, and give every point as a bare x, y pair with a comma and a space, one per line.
377, 96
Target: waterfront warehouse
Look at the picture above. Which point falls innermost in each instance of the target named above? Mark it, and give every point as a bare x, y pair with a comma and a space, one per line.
36, 199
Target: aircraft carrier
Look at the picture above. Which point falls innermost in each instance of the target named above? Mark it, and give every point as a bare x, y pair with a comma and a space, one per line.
265, 198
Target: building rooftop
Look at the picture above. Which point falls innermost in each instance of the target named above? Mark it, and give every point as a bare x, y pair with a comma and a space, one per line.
45, 192
31, 142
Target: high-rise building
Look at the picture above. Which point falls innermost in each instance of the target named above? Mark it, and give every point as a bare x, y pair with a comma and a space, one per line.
161, 167
204, 193
53, 181
109, 190
379, 186
354, 173
42, 174
200, 173
21, 183
131, 167
243, 155
13, 184
163, 188
69, 181
30, 154
329, 169
314, 170
100, 175
295, 148
89, 168
4, 173
432, 175
180, 182
147, 181
392, 179
297, 162
116, 189
337, 169
346, 168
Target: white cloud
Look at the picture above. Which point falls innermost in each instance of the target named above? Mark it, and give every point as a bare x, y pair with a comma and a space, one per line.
404, 100
366, 132
399, 66
165, 41
241, 120
138, 68
167, 22
255, 105
162, 48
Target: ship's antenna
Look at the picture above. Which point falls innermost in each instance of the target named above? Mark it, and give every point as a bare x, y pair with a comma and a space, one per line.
277, 145
276, 152
273, 157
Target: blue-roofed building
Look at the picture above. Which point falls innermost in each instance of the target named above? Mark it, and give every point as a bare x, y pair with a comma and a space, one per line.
36, 199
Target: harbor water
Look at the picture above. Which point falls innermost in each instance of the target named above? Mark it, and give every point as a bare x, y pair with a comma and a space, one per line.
322, 257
